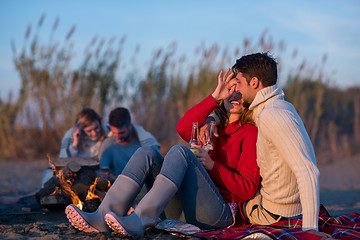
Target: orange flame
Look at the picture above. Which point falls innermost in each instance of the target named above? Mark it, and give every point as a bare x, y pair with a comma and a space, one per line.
57, 190
67, 189
51, 163
91, 192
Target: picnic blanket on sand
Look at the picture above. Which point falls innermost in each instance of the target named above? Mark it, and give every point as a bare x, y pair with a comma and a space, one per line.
342, 227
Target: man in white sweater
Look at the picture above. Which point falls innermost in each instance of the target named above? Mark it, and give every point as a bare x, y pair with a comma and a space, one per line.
285, 155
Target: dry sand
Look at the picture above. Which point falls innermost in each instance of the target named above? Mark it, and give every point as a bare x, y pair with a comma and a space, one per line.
339, 184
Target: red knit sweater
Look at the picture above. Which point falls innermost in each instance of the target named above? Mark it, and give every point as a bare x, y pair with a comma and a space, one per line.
235, 172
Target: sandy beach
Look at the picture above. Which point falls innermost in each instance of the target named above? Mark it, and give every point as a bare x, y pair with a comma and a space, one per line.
339, 193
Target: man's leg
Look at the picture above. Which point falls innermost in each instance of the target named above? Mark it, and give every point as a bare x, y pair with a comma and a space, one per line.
256, 214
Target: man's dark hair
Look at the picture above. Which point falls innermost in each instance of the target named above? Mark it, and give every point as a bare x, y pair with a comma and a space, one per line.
260, 65
119, 117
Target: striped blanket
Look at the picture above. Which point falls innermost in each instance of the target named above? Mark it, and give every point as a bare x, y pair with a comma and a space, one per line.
342, 227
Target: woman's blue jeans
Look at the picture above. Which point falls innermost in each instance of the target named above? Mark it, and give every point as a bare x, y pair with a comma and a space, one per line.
201, 201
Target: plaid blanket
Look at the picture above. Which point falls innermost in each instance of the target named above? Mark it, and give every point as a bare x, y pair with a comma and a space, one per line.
343, 227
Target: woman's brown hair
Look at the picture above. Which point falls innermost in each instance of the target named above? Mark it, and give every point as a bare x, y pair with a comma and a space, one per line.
245, 115
85, 118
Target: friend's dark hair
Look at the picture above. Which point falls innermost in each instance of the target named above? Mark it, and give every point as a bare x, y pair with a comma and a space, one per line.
119, 117
260, 65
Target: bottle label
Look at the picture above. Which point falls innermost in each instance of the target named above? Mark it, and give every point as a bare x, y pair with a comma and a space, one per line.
194, 150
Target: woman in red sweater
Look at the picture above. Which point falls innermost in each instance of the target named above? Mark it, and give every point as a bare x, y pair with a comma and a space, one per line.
211, 187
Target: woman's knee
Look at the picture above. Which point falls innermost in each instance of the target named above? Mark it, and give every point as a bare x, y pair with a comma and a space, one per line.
146, 151
146, 160
180, 152
145, 156
179, 149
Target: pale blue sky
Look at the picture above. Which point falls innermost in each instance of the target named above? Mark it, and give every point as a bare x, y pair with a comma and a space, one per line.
312, 27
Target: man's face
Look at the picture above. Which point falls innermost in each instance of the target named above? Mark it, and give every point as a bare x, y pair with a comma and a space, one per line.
122, 134
245, 89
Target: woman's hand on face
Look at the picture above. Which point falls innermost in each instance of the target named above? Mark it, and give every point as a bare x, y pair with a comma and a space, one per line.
76, 136
204, 158
225, 87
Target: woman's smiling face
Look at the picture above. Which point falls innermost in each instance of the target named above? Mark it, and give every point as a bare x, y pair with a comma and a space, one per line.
93, 131
234, 104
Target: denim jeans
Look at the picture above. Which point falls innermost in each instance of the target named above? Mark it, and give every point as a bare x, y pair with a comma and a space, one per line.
143, 166
201, 201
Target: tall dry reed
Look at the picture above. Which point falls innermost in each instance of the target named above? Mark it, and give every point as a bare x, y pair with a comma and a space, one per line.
52, 92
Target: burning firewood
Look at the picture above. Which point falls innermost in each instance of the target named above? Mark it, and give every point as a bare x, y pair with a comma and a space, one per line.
77, 182
91, 205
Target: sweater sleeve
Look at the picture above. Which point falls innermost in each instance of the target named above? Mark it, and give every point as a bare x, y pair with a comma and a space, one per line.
285, 130
197, 113
146, 139
66, 149
244, 180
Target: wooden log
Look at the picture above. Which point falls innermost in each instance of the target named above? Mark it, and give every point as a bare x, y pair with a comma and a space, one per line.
73, 166
81, 190
91, 205
100, 194
102, 184
55, 201
60, 163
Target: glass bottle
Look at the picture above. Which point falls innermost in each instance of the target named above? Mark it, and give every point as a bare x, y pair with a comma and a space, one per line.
194, 137
209, 145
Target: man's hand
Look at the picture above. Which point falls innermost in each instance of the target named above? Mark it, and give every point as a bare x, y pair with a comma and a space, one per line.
225, 87
321, 234
204, 131
204, 158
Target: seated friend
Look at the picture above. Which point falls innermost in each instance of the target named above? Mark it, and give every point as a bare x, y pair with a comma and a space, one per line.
122, 142
82, 140
211, 185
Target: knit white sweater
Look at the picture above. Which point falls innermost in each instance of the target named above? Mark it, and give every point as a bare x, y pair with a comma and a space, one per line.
286, 158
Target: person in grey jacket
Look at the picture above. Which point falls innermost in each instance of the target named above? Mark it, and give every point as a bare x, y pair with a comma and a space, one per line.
82, 140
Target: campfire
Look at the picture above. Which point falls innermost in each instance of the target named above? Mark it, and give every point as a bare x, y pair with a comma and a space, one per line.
75, 181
